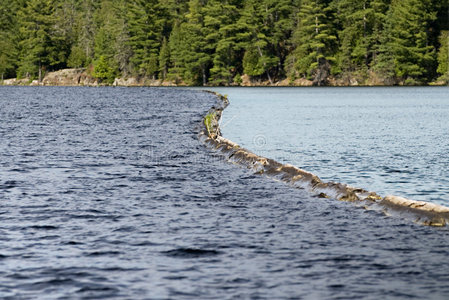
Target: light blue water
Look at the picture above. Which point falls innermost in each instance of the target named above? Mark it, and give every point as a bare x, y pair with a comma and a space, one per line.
387, 140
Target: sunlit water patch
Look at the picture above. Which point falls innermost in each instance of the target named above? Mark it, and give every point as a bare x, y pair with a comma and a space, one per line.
388, 140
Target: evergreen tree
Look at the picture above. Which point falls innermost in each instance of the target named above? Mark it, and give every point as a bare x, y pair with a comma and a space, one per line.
443, 57
145, 27
315, 41
65, 16
176, 70
82, 51
196, 51
255, 40
280, 15
103, 70
407, 40
123, 50
215, 42
41, 43
355, 17
110, 27
8, 38
176, 9
228, 52
164, 59
379, 9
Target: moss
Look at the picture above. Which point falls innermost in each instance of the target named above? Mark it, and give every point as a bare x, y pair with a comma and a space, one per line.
208, 119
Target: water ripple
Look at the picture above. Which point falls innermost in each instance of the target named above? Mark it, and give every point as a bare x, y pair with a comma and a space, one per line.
107, 193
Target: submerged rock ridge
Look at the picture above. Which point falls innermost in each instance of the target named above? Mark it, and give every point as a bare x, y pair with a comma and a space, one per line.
420, 212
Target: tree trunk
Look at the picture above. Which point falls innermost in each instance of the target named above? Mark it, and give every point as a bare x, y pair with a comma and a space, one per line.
264, 64
203, 69
40, 72
317, 31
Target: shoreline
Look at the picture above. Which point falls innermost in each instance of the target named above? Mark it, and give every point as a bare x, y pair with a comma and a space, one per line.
81, 77
420, 212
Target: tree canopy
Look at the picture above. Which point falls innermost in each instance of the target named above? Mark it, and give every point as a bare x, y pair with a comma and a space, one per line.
211, 42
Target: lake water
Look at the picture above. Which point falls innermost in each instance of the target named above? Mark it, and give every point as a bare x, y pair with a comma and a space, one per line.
107, 193
387, 140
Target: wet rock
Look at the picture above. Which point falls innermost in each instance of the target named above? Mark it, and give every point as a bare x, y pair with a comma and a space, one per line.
421, 212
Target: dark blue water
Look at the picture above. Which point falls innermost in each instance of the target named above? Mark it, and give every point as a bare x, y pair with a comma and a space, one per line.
393, 141
107, 193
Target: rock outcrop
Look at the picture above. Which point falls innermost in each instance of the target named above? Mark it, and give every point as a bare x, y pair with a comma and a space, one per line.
69, 77
81, 77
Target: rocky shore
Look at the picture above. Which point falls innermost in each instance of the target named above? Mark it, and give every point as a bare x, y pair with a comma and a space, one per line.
420, 212
81, 77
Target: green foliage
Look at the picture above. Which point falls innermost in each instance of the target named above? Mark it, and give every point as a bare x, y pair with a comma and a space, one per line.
252, 62
315, 41
227, 56
407, 41
164, 59
209, 123
258, 23
354, 17
41, 45
238, 79
195, 56
443, 56
8, 38
176, 70
144, 25
212, 42
77, 57
103, 70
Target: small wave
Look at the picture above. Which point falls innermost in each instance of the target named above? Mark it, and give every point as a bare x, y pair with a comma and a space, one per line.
73, 243
44, 227
191, 253
102, 253
10, 184
98, 288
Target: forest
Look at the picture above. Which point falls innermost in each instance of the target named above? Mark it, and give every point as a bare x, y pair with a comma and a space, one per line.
211, 42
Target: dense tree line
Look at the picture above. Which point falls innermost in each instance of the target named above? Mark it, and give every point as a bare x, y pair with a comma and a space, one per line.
213, 42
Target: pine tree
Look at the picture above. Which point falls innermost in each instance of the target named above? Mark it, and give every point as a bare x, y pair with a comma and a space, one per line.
176, 70
164, 59
40, 45
255, 40
315, 41
280, 15
214, 42
103, 70
8, 39
355, 17
82, 52
406, 42
65, 15
195, 54
176, 9
109, 40
443, 57
145, 27
379, 9
228, 53
123, 51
